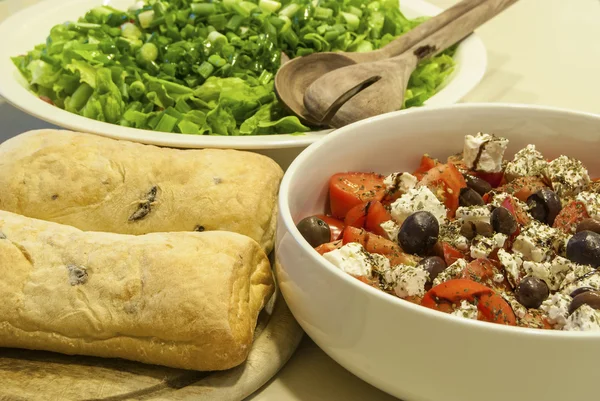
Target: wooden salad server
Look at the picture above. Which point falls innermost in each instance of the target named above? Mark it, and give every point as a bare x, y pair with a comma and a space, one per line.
295, 76
359, 91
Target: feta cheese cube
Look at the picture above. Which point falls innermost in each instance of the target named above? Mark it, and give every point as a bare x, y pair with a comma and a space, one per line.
568, 176
402, 182
453, 271
556, 309
484, 152
512, 264
461, 243
391, 229
552, 273
528, 162
466, 310
591, 200
482, 246
353, 259
406, 281
584, 318
473, 213
538, 242
415, 200
577, 272
590, 279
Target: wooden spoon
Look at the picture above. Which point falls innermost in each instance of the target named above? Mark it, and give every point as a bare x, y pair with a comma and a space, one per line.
295, 76
359, 91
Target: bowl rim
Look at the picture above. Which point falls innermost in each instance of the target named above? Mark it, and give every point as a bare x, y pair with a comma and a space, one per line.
288, 223
13, 91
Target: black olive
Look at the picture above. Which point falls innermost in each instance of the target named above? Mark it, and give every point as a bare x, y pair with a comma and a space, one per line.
531, 292
544, 206
584, 248
434, 265
591, 298
314, 230
581, 290
502, 221
469, 197
480, 186
471, 229
419, 233
589, 224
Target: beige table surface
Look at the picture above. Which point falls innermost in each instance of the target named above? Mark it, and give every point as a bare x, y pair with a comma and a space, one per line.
540, 52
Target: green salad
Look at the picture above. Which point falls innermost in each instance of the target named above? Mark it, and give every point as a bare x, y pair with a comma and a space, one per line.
207, 67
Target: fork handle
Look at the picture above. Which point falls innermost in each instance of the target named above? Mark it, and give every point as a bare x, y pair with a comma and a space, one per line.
416, 35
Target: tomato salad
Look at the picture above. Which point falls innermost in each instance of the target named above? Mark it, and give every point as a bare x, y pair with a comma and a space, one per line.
514, 242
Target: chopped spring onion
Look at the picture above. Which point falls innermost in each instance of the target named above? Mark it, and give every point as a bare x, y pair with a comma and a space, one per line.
203, 9
290, 10
323, 13
269, 6
351, 20
149, 52
146, 18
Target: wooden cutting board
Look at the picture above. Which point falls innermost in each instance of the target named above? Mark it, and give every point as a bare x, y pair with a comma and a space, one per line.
35, 375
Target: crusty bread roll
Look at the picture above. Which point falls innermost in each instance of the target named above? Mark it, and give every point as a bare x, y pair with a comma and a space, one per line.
101, 184
185, 300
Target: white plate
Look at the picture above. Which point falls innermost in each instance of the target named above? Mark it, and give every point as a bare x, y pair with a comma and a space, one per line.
29, 27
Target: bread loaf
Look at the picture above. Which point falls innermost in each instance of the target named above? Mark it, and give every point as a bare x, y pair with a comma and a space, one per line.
100, 184
184, 300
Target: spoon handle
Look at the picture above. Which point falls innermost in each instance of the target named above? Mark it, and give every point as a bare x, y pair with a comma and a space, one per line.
456, 30
427, 28
414, 36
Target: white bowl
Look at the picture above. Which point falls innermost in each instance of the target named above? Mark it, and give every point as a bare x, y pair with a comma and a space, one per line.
31, 26
409, 351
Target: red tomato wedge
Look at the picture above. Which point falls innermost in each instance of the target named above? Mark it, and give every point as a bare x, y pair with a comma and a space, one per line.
451, 254
570, 216
357, 216
328, 247
391, 250
480, 270
347, 190
523, 187
353, 234
454, 291
376, 215
458, 161
381, 245
427, 163
445, 181
368, 215
493, 308
494, 179
377, 244
534, 318
335, 226
516, 210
